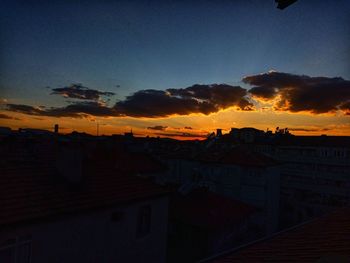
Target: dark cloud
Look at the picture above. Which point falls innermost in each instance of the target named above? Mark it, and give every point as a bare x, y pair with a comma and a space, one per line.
188, 128
77, 91
26, 109
150, 103
4, 116
295, 93
203, 99
74, 110
302, 93
157, 128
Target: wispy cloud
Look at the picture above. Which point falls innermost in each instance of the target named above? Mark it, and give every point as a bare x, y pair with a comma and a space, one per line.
181, 134
4, 116
157, 128
78, 91
309, 129
74, 110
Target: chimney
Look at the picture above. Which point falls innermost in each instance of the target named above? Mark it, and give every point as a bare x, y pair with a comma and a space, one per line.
56, 128
218, 132
69, 163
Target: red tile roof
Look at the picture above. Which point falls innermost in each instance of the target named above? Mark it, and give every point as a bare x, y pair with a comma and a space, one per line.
32, 192
206, 209
320, 239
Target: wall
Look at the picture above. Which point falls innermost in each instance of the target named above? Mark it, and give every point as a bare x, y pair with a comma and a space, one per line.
314, 180
94, 237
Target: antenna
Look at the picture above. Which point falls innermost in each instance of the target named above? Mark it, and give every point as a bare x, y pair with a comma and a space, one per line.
97, 128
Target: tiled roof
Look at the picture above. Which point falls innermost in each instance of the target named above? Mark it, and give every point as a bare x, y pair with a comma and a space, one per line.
206, 209
32, 192
324, 238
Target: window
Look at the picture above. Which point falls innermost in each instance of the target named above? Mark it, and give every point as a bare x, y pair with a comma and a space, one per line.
144, 221
16, 250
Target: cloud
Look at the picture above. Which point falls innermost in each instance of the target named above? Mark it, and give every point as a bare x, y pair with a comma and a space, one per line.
188, 128
296, 93
203, 99
288, 92
345, 107
157, 128
4, 116
77, 91
149, 103
74, 110
21, 108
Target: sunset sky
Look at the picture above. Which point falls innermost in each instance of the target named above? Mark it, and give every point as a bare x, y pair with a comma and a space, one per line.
175, 68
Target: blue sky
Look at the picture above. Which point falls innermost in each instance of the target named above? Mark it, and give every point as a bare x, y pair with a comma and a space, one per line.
151, 44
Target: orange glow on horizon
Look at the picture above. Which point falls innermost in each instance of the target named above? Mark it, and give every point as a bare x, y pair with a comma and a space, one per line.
198, 125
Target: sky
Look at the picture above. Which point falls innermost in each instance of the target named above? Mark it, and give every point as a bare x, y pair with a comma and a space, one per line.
175, 68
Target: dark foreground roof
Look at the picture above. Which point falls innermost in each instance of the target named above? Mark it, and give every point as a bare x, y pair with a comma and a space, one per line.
326, 239
209, 210
32, 192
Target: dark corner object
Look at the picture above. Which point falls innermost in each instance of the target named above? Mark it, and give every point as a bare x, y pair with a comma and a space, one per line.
282, 4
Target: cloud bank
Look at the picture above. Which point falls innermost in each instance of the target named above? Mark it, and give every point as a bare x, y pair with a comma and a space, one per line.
298, 93
288, 92
204, 99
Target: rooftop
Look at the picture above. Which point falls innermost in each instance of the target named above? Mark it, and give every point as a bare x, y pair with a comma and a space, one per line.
325, 238
32, 192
